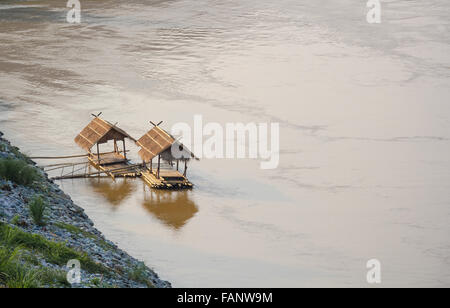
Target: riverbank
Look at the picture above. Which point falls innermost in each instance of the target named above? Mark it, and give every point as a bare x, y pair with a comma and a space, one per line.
34, 250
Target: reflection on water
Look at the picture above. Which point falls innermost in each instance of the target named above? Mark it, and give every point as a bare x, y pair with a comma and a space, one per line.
173, 208
115, 192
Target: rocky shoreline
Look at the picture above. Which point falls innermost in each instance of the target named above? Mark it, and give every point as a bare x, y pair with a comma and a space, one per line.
68, 232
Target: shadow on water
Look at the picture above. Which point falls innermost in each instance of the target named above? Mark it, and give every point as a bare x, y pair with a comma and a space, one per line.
173, 208
114, 192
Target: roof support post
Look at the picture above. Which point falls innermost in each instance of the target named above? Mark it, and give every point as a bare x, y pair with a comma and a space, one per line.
159, 165
98, 154
178, 162
116, 149
151, 165
185, 168
124, 150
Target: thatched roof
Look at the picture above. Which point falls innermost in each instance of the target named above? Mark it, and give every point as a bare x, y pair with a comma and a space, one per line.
158, 141
99, 131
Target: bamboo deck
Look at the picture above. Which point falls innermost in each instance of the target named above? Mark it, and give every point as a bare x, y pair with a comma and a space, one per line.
114, 165
168, 179
108, 159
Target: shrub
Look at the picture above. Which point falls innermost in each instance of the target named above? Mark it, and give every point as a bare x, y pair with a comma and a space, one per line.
18, 171
37, 208
7, 260
9, 236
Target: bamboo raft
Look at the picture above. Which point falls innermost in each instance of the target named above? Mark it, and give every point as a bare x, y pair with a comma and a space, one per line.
114, 164
168, 179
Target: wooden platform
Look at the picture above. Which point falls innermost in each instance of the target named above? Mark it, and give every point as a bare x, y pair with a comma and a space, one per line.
114, 165
169, 179
108, 159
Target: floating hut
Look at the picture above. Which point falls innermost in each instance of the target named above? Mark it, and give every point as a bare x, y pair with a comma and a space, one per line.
157, 143
100, 131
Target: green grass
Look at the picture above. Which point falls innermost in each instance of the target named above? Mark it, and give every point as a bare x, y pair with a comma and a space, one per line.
18, 171
15, 220
54, 277
19, 155
53, 252
138, 274
30, 257
96, 282
14, 274
22, 276
37, 208
20, 266
7, 260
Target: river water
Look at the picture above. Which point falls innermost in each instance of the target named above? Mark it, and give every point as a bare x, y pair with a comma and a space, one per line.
364, 122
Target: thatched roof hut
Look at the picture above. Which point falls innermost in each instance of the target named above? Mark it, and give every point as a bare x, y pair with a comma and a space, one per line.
99, 131
159, 142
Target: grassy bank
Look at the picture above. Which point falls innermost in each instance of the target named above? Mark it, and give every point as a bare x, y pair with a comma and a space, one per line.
41, 229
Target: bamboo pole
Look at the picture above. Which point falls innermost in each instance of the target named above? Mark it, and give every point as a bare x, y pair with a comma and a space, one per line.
98, 153
61, 157
159, 164
67, 176
71, 156
62, 164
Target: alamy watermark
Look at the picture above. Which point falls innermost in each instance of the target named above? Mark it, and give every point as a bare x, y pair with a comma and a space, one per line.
74, 273
74, 14
231, 141
374, 14
374, 274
